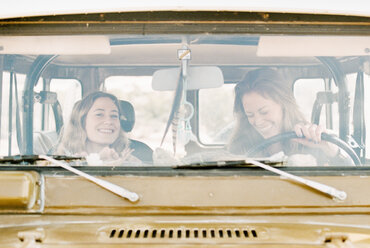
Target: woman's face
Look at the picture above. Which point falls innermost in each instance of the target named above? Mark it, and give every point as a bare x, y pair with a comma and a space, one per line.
265, 115
102, 122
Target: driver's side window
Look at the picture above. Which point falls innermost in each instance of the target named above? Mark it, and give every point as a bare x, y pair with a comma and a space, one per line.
306, 94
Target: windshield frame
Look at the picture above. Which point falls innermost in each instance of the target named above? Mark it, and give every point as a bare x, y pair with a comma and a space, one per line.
354, 25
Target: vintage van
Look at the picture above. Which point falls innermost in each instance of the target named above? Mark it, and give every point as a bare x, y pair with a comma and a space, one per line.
174, 68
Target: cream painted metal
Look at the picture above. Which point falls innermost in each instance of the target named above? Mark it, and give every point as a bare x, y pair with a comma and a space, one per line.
22, 8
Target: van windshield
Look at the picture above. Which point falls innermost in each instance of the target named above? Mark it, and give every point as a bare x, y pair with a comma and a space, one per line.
169, 100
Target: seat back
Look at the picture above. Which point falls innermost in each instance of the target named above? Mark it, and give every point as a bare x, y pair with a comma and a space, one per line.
127, 117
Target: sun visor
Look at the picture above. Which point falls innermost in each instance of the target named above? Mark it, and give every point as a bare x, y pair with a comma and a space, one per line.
199, 77
49, 45
300, 46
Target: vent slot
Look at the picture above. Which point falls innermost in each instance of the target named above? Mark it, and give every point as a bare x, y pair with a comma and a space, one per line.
112, 233
129, 234
254, 233
170, 233
146, 232
187, 233
221, 233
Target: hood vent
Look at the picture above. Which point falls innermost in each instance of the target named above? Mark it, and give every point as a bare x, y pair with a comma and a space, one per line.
171, 233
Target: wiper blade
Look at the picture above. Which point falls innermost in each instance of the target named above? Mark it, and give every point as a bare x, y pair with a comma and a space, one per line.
29, 159
118, 190
207, 161
224, 164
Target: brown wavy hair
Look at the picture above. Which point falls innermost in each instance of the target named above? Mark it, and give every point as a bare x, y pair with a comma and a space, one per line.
269, 83
74, 136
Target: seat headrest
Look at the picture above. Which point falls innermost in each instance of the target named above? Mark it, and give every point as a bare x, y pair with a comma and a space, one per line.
127, 117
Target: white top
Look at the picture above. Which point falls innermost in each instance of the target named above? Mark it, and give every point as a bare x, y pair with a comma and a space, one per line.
22, 8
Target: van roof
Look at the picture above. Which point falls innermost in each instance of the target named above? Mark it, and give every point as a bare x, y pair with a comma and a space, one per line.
26, 8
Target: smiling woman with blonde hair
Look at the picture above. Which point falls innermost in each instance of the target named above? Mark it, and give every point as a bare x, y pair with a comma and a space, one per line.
94, 127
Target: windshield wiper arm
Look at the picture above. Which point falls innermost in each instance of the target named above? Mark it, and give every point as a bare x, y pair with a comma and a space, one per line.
335, 193
131, 196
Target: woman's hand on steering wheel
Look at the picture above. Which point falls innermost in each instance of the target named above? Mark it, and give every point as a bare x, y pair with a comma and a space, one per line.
312, 138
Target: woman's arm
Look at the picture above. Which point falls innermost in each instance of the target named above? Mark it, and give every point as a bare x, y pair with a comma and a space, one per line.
312, 138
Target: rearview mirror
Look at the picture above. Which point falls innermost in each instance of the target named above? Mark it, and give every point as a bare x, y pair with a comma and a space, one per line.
200, 77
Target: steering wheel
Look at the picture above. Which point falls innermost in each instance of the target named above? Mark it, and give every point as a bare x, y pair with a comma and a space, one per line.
292, 135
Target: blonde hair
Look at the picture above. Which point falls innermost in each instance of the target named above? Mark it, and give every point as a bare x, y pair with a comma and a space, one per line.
270, 84
74, 136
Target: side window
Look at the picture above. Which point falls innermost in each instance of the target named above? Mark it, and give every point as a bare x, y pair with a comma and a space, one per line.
10, 98
12, 95
305, 92
351, 79
69, 91
367, 110
215, 126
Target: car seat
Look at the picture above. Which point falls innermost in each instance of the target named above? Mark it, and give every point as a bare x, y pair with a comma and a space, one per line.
127, 119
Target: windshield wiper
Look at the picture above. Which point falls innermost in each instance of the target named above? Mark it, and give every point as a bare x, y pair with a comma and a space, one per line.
31, 159
131, 196
333, 192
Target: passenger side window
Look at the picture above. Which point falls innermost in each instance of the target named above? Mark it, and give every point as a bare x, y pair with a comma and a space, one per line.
69, 91
10, 97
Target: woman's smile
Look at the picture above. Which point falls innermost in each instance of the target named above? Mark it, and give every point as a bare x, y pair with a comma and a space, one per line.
105, 130
102, 122
263, 114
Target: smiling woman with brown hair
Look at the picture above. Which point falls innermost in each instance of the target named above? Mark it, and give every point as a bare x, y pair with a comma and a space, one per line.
264, 107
